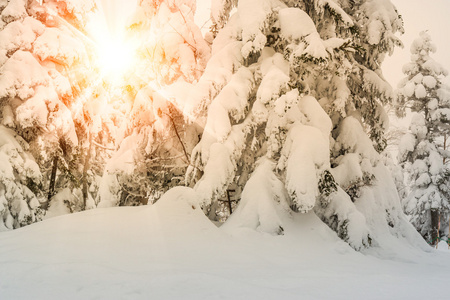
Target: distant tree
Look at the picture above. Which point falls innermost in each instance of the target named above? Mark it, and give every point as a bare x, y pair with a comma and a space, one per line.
423, 150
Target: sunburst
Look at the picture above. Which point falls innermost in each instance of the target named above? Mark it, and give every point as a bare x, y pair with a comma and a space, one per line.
112, 54
115, 48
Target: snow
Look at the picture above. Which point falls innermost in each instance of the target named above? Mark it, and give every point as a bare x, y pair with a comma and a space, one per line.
315, 115
60, 46
16, 167
434, 68
20, 34
307, 154
420, 91
231, 101
7, 116
408, 89
171, 251
382, 17
21, 72
348, 169
417, 126
353, 138
443, 246
13, 11
122, 161
216, 75
429, 82
252, 16
220, 169
417, 78
34, 111
423, 181
373, 82
295, 23
58, 206
273, 82
263, 194
406, 144
78, 7
321, 4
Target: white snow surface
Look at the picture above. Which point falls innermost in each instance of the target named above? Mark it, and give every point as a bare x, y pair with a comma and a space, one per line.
295, 23
172, 251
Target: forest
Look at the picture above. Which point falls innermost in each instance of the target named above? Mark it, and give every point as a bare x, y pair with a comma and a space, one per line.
279, 108
150, 151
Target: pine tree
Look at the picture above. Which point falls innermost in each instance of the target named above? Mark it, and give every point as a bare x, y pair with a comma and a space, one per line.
154, 154
423, 150
38, 46
295, 119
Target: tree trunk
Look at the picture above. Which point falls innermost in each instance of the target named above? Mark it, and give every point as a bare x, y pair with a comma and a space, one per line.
434, 226
86, 167
51, 187
444, 160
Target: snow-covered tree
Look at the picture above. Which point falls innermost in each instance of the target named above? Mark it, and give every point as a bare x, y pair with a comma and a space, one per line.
154, 154
171, 46
422, 150
38, 46
294, 96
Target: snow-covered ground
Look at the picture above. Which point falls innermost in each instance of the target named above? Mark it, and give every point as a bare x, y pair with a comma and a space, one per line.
172, 251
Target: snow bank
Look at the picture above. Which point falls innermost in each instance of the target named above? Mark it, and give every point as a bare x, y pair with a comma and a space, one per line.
171, 251
381, 203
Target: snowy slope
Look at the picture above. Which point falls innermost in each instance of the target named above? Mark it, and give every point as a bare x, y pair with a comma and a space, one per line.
171, 251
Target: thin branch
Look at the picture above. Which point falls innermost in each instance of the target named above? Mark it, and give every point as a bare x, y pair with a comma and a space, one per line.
103, 147
178, 136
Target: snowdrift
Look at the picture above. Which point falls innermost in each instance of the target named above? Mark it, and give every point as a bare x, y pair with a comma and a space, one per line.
172, 251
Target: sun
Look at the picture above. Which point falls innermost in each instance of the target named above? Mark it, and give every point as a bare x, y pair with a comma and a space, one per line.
115, 49
116, 57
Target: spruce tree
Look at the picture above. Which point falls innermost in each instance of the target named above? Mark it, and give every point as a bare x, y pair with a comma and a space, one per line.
422, 150
295, 119
40, 43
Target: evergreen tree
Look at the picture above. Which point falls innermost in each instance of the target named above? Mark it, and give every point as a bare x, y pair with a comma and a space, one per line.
154, 154
39, 44
295, 118
423, 150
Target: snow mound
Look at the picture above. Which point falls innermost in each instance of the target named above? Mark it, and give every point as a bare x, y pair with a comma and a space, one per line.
443, 246
170, 250
180, 200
